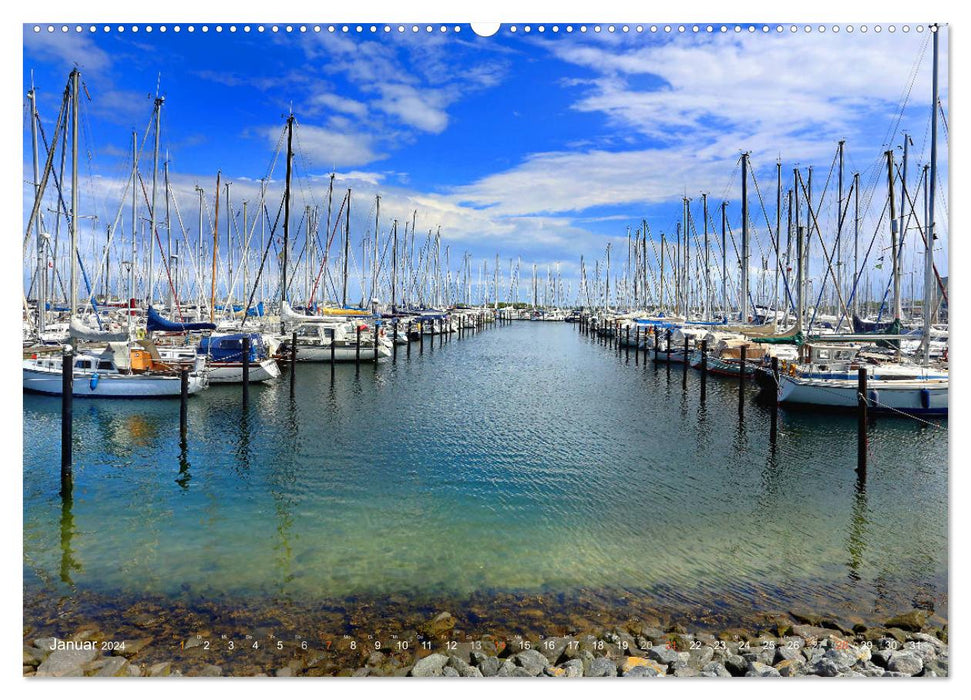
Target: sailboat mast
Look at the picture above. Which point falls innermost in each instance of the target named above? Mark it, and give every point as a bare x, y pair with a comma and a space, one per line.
40, 278
929, 242
724, 260
215, 252
75, 89
168, 235
151, 214
286, 211
374, 253
347, 246
134, 226
778, 241
394, 266
744, 293
894, 238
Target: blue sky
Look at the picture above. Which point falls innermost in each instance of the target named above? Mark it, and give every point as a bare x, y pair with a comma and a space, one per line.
540, 145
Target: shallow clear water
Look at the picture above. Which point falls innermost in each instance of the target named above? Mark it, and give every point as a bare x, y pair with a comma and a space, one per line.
525, 458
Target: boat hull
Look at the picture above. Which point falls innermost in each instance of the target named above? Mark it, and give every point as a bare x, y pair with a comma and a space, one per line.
342, 353
883, 396
111, 386
232, 372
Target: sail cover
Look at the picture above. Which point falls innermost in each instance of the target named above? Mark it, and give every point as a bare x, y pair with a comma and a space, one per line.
83, 332
157, 323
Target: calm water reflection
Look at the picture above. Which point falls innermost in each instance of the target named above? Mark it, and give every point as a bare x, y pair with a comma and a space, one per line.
524, 458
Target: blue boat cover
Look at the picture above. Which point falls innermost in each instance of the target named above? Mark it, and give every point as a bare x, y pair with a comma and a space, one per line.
157, 323
229, 348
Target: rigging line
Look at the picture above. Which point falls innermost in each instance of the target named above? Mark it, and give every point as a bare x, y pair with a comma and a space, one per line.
271, 240
775, 243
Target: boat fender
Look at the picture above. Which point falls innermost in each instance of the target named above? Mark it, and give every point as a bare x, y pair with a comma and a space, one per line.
874, 397
792, 370
94, 381
925, 398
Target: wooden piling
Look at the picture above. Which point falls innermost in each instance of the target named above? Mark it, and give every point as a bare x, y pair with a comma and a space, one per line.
67, 420
394, 341
773, 428
246, 345
704, 369
637, 345
333, 354
861, 423
741, 382
293, 361
376, 329
184, 403
668, 351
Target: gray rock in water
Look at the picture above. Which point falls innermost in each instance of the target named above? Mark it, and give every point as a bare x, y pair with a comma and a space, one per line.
757, 668
532, 661
66, 662
573, 668
450, 672
601, 667
459, 665
905, 662
430, 666
715, 670
111, 666
736, 665
663, 655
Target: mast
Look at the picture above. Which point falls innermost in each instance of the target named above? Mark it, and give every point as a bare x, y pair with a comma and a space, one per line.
704, 213
309, 250
902, 226
347, 246
168, 236
724, 261
839, 222
230, 283
778, 241
744, 301
662, 273
394, 265
199, 244
134, 225
286, 212
607, 293
215, 252
75, 99
151, 214
894, 240
931, 225
246, 241
40, 278
856, 242
374, 255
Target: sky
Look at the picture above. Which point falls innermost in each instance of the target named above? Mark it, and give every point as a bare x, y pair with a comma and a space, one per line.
541, 146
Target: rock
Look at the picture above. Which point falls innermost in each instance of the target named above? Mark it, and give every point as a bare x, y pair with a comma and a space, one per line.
736, 665
532, 661
430, 666
926, 651
809, 632
698, 658
440, 624
192, 642
450, 672
930, 639
913, 621
45, 644
509, 668
632, 662
825, 667
361, 673
937, 667
870, 669
459, 664
759, 669
163, 668
133, 646
784, 652
715, 670
573, 668
34, 656
848, 657
790, 667
881, 657
109, 667
134, 670
601, 667
905, 662
487, 665
211, 671
806, 617
642, 672
663, 655
66, 662
553, 648
686, 672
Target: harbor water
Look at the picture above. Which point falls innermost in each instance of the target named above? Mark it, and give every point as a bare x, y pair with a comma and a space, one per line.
527, 459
